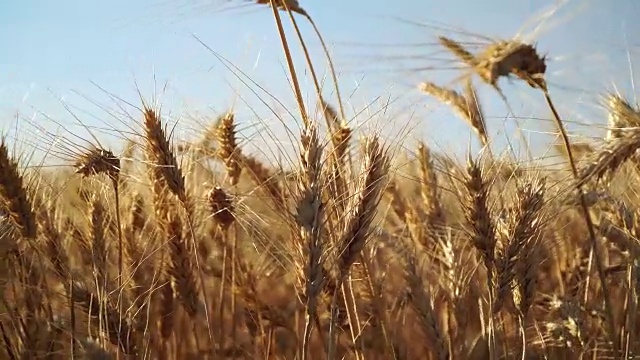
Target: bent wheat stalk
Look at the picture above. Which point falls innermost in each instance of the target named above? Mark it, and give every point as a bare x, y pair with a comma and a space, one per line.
539, 83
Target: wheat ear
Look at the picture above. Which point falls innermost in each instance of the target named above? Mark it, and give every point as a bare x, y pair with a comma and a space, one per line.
362, 211
102, 161
14, 197
168, 173
310, 222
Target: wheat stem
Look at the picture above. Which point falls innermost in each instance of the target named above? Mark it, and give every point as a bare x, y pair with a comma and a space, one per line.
292, 70
590, 227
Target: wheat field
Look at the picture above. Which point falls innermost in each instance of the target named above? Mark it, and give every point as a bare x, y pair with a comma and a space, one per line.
201, 250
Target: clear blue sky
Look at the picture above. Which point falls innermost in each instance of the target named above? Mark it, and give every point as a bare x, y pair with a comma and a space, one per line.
63, 49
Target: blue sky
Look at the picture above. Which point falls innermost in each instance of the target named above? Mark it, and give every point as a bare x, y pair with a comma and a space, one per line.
65, 51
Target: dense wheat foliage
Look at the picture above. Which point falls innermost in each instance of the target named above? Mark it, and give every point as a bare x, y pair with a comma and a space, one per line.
204, 251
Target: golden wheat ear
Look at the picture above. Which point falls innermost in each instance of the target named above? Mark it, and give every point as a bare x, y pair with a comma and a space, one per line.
14, 196
524, 227
221, 206
363, 208
166, 172
505, 58
611, 157
181, 269
310, 221
162, 156
101, 161
479, 217
429, 190
458, 50
466, 106
228, 150
621, 116
98, 161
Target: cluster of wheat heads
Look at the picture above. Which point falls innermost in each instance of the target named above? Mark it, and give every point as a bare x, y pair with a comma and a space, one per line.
340, 258
513, 58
